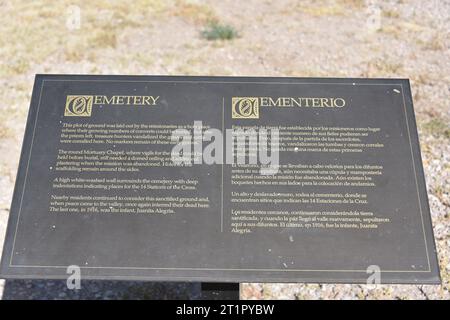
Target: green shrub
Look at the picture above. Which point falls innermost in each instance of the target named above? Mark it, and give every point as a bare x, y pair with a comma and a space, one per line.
217, 31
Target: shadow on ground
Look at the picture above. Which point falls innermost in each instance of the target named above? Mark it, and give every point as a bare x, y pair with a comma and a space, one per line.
93, 290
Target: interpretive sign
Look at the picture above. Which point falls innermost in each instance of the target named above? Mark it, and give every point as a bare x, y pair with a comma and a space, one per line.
227, 179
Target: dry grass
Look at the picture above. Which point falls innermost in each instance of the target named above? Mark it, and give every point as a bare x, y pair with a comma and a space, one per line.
353, 4
437, 127
194, 12
439, 41
323, 8
390, 13
320, 9
5, 132
402, 30
384, 66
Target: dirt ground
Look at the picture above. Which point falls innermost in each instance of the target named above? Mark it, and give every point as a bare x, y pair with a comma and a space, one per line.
342, 38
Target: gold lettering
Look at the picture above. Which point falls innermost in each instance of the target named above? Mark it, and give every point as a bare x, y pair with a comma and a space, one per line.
106, 101
297, 102
340, 104
325, 102
273, 103
264, 102
286, 102
98, 99
316, 102
301, 102
154, 99
145, 100
137, 100
119, 99
307, 101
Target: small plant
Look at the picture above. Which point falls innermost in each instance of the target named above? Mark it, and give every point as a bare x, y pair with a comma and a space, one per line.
217, 31
438, 128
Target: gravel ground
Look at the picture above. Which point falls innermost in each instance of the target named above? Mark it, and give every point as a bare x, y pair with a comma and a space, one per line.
342, 38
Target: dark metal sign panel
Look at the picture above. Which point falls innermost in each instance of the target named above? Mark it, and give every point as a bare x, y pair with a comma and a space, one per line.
98, 188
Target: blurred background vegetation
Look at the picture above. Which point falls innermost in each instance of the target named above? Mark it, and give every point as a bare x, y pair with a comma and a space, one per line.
324, 38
